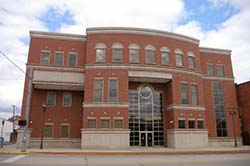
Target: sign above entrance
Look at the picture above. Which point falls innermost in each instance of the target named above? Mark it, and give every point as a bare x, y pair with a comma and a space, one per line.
152, 77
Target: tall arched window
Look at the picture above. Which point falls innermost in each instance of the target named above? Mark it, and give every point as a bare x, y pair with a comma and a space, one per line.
150, 54
100, 52
178, 57
117, 52
133, 53
165, 53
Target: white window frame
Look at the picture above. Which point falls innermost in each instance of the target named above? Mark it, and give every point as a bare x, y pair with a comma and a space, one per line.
70, 94
45, 51
55, 56
71, 53
117, 46
102, 90
54, 104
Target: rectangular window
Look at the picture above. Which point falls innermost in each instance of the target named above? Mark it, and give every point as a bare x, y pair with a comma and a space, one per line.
165, 58
191, 62
133, 55
48, 130
210, 70
51, 99
72, 59
220, 71
191, 124
67, 99
65, 130
181, 124
100, 55
91, 123
44, 58
200, 124
104, 123
219, 108
179, 61
98, 90
58, 58
118, 123
117, 55
113, 90
194, 90
150, 56
184, 93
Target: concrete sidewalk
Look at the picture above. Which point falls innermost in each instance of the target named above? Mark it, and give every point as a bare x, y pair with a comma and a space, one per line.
11, 149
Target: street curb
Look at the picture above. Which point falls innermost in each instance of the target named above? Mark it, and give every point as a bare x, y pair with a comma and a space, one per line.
8, 152
127, 153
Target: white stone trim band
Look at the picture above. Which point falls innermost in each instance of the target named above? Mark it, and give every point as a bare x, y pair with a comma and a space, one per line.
105, 105
141, 31
59, 36
186, 107
215, 51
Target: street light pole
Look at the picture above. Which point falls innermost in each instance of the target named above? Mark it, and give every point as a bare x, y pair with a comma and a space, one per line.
232, 112
44, 110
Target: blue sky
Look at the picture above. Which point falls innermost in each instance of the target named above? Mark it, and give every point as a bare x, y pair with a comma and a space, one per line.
216, 23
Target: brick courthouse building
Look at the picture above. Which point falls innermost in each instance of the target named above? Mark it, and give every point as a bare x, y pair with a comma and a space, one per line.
126, 87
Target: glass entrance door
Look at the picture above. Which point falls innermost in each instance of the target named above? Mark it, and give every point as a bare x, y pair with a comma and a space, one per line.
146, 139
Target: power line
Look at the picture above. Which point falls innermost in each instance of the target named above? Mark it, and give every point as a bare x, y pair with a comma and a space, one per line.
12, 62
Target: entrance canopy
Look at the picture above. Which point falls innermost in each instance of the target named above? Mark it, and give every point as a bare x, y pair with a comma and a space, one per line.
151, 77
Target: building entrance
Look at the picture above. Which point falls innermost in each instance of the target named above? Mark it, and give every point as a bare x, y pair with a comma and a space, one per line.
145, 117
146, 139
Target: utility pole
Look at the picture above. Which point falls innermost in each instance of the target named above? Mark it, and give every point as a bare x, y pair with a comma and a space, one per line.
27, 110
14, 108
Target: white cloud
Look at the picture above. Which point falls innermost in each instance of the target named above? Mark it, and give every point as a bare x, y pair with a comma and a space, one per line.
233, 34
147, 14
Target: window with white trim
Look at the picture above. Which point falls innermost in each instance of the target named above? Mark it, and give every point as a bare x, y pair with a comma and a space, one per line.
91, 123
104, 123
44, 57
113, 90
67, 99
64, 130
51, 99
165, 53
98, 90
150, 54
184, 93
48, 130
210, 69
220, 70
179, 57
100, 50
133, 53
117, 52
118, 123
194, 91
72, 59
58, 58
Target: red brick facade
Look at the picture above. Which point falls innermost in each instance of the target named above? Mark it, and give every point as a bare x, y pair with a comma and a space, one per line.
243, 97
83, 105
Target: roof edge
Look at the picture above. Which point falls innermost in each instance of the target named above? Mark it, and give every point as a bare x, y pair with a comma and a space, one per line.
140, 31
215, 50
57, 35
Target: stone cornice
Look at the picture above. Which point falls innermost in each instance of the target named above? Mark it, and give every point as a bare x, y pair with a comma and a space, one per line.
141, 31
186, 107
215, 51
56, 35
219, 78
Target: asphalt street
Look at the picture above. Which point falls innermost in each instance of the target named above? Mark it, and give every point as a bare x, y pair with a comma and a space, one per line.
128, 160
